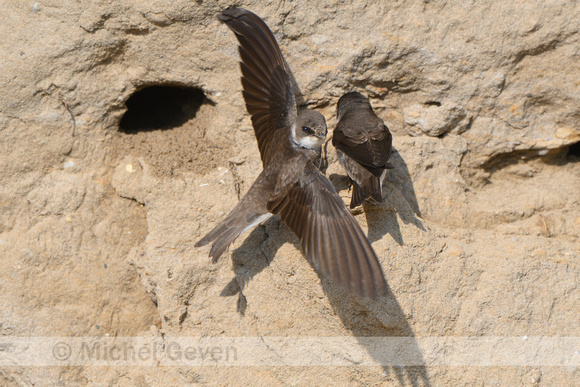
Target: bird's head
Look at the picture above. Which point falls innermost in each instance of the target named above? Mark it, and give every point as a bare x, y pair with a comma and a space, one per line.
309, 130
349, 101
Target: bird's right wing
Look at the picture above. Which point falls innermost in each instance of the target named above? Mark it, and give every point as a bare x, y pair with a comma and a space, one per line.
267, 88
330, 236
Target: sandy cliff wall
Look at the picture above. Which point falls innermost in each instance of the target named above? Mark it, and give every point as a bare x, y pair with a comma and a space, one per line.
478, 235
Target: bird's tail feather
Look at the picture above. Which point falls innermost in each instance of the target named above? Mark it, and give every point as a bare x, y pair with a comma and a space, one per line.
370, 191
223, 235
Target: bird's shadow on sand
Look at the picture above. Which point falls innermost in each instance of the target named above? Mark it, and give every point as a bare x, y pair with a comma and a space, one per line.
382, 319
399, 198
247, 264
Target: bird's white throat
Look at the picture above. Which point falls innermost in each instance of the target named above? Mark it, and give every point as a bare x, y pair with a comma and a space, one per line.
310, 142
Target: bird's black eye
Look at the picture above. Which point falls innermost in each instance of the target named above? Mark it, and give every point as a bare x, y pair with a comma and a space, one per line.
306, 129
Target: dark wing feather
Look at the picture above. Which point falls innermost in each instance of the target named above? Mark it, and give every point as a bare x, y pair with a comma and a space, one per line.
267, 88
369, 146
330, 236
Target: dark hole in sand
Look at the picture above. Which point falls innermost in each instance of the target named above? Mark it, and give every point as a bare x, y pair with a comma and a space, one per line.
160, 107
574, 151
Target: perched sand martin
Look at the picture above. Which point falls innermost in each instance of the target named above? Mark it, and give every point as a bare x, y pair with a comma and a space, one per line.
363, 146
290, 184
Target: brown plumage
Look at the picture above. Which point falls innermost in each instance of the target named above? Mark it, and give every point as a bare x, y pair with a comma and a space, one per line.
363, 144
290, 185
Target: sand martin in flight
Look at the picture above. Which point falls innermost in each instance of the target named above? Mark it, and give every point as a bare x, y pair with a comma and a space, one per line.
363, 146
290, 185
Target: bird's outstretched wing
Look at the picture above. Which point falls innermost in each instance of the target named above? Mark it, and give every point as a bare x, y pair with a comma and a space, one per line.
330, 236
267, 88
